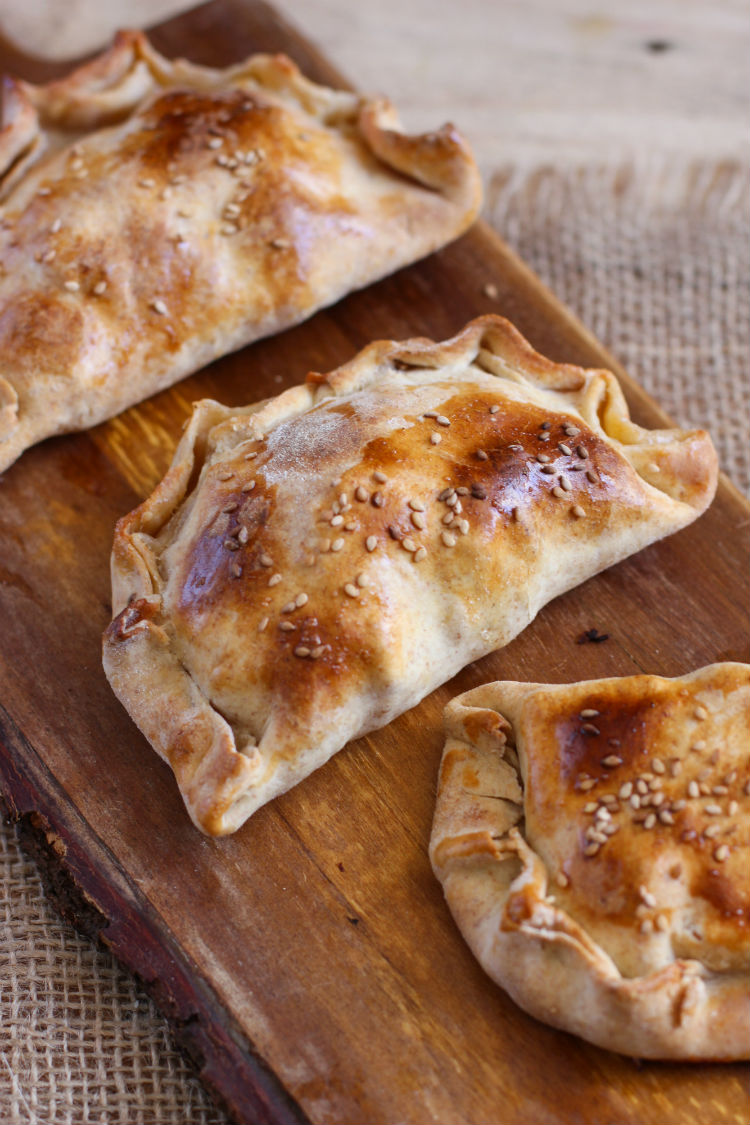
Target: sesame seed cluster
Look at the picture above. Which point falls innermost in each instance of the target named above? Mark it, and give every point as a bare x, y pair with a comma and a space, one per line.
437, 518
696, 799
68, 269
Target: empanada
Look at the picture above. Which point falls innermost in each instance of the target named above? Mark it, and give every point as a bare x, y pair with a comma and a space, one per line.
314, 565
592, 841
156, 215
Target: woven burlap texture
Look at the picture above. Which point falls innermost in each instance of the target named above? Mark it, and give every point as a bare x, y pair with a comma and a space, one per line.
655, 261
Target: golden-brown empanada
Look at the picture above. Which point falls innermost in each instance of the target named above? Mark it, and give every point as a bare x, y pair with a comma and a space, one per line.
155, 215
592, 841
313, 565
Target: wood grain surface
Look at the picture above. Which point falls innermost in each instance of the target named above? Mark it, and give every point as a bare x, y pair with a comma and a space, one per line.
309, 962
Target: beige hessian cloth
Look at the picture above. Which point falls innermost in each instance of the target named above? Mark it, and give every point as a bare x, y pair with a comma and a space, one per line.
655, 262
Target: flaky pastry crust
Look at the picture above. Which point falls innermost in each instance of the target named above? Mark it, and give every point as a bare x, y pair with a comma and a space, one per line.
313, 565
592, 841
155, 215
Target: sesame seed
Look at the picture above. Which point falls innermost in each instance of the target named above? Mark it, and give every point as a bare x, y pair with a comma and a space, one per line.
232, 507
582, 452
381, 478
570, 429
658, 766
562, 879
591, 849
226, 475
730, 778
231, 209
71, 286
452, 500
231, 544
542, 458
712, 810
435, 439
289, 607
55, 226
589, 728
732, 807
650, 820
336, 521
721, 853
361, 493
565, 483
229, 229
446, 493
564, 448
317, 652
720, 790
300, 600
337, 544
343, 501
545, 425
558, 492
578, 511
350, 526
409, 545
351, 590
489, 290
362, 580
678, 805
274, 580
478, 492
675, 768
661, 923
646, 926
418, 520
603, 813
625, 790
548, 469
378, 500
395, 532
442, 420
280, 243
420, 553
249, 486
693, 790
482, 456
430, 414
448, 539
301, 651
611, 761
711, 831
586, 784
463, 526
262, 624
287, 626
592, 476
215, 142
589, 713
416, 506
494, 409
665, 816
371, 543
265, 560
646, 896
700, 713
159, 307
657, 799
49, 256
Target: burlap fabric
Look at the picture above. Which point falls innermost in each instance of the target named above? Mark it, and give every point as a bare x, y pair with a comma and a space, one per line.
654, 260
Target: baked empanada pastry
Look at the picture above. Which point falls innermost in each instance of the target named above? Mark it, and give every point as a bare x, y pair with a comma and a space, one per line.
313, 565
593, 841
155, 215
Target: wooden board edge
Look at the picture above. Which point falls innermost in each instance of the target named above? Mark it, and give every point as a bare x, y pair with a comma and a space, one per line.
72, 862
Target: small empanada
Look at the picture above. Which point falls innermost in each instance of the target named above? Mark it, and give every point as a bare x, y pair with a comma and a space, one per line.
314, 565
155, 215
592, 841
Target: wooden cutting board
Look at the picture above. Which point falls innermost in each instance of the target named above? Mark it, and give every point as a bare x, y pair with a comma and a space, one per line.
309, 962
